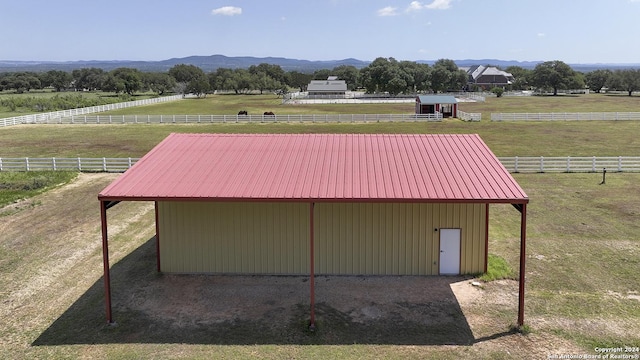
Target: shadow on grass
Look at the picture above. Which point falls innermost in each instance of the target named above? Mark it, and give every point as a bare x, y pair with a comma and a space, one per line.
207, 309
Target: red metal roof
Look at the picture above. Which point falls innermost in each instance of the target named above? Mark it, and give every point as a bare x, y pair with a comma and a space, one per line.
318, 167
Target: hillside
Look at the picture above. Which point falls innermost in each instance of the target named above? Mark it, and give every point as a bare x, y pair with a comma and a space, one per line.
213, 62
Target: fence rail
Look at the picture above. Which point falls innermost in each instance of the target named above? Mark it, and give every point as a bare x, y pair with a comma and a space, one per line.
565, 116
54, 117
516, 164
193, 119
465, 116
71, 164
571, 164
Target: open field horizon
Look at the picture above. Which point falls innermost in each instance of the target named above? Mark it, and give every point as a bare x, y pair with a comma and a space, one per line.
560, 138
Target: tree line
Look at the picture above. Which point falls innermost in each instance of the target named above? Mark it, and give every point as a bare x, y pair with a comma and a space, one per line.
383, 75
556, 75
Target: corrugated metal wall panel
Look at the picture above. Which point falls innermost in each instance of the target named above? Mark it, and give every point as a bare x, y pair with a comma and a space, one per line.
257, 238
394, 239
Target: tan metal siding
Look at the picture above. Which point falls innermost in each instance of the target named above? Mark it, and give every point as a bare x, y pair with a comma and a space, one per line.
256, 238
394, 239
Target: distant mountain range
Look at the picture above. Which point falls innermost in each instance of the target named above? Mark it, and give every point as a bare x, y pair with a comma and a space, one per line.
213, 62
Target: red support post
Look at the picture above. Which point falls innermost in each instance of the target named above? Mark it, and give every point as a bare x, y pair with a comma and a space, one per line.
105, 261
157, 240
312, 324
523, 247
486, 238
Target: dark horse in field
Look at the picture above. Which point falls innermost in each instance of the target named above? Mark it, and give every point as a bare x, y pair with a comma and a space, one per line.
243, 112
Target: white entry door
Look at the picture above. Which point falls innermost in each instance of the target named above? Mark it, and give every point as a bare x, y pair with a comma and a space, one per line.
449, 251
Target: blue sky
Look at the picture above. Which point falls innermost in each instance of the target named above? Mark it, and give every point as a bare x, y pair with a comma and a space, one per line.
574, 31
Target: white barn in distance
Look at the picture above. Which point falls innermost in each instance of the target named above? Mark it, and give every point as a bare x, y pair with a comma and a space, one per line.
331, 86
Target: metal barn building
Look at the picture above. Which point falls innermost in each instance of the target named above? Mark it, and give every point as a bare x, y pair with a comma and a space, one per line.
312, 204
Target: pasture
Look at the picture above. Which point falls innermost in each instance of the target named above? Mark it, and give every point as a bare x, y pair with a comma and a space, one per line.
583, 256
12, 104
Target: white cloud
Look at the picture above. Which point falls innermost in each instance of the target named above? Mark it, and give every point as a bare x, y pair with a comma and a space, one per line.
227, 11
541, 35
387, 11
439, 4
435, 5
415, 6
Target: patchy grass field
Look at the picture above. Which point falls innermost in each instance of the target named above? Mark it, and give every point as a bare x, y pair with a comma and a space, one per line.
582, 289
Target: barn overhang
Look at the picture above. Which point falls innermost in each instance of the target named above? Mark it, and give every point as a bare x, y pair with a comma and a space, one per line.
106, 204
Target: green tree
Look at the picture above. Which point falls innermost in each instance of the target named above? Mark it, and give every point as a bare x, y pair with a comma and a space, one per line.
273, 71
419, 76
59, 80
241, 81
130, 78
190, 79
112, 83
321, 74
199, 86
386, 75
264, 82
521, 76
445, 75
554, 75
88, 79
21, 82
626, 80
185, 73
158, 82
597, 79
221, 79
348, 73
299, 80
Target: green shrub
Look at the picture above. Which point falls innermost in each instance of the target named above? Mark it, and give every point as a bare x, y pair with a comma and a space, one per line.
498, 91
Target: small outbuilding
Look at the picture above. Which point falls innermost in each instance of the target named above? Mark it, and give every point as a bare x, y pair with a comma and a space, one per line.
307, 204
432, 104
330, 87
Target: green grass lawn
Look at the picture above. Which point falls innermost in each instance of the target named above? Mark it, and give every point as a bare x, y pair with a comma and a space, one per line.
555, 104
257, 105
588, 138
593, 138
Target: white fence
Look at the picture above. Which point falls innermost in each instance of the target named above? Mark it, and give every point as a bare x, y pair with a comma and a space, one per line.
72, 164
195, 119
571, 164
52, 117
565, 116
465, 116
513, 164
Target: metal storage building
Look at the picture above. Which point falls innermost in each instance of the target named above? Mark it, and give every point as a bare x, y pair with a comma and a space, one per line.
318, 204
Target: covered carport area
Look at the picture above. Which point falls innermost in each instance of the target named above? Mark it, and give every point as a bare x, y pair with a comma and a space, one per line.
312, 170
